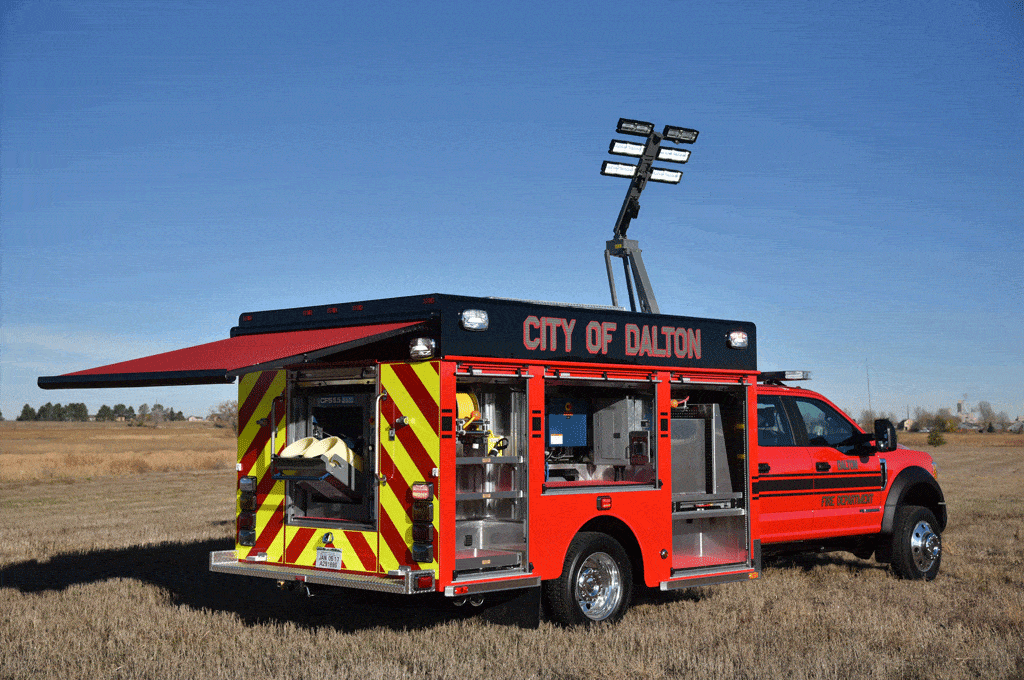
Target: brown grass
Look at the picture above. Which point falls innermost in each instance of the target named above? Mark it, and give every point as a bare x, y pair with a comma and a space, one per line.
71, 451
107, 578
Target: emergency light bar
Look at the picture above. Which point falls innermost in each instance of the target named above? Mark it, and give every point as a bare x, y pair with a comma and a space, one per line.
634, 127
767, 376
679, 135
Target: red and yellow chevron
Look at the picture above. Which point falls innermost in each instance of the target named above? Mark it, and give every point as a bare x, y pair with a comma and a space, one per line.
414, 392
256, 394
413, 395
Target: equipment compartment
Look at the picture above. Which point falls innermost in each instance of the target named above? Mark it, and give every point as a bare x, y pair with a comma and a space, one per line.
710, 523
490, 475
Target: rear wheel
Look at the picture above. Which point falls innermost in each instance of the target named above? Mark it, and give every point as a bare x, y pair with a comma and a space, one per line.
596, 582
916, 551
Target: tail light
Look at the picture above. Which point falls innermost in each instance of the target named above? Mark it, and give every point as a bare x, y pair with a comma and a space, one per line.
422, 522
246, 523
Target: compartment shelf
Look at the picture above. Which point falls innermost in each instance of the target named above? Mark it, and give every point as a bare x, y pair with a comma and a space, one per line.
476, 558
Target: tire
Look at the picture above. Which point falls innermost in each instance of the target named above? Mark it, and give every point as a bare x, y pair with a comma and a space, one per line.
916, 551
596, 582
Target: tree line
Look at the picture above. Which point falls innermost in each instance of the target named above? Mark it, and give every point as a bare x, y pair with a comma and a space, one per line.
942, 420
77, 412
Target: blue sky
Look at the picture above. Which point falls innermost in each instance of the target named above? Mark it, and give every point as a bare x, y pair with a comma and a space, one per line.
855, 190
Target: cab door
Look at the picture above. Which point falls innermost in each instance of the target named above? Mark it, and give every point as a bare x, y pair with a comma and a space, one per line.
848, 479
785, 481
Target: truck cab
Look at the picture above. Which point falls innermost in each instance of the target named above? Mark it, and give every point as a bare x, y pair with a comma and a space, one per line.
824, 484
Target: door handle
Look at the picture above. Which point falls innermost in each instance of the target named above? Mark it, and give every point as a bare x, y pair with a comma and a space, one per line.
822, 466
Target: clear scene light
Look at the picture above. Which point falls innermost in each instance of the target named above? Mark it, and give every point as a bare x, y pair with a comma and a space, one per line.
474, 320
421, 348
679, 135
738, 339
665, 175
634, 127
621, 148
617, 169
672, 155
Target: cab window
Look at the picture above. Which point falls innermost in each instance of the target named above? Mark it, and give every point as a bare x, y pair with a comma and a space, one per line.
825, 426
772, 425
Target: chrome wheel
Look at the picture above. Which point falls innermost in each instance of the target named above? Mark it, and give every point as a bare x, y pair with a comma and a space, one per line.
596, 583
925, 546
916, 544
598, 586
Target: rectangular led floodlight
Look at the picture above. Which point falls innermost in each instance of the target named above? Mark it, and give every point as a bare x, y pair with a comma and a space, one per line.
673, 155
623, 148
634, 127
679, 135
617, 169
665, 175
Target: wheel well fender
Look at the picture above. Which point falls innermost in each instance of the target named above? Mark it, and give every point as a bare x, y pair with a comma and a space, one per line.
914, 486
620, 531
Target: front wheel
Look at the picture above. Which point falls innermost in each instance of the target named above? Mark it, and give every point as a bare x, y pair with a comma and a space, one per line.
916, 544
596, 582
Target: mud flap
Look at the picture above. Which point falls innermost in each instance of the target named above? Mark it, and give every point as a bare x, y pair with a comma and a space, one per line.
520, 608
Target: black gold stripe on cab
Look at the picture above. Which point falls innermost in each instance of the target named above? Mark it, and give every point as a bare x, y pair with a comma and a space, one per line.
784, 485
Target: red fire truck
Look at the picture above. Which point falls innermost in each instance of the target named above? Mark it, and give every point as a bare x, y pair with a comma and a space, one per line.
467, 446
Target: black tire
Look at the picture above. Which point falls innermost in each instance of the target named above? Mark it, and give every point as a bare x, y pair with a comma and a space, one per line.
916, 551
596, 584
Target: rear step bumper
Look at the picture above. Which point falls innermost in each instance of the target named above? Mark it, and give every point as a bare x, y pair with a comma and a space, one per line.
402, 583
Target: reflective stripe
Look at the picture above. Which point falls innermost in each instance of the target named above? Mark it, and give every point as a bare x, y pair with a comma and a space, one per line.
413, 395
256, 394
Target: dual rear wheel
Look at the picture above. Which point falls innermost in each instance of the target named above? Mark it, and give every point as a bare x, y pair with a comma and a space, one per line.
596, 583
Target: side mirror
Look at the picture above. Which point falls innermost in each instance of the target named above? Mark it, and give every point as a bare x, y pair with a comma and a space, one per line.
885, 435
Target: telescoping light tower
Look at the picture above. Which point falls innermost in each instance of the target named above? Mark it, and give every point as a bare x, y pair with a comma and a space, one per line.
620, 246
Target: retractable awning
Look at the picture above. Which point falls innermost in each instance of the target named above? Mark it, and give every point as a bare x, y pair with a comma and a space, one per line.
221, 361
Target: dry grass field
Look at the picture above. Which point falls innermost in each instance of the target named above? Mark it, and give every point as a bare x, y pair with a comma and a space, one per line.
103, 574
70, 451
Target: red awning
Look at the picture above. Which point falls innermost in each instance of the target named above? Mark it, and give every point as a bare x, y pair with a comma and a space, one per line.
220, 361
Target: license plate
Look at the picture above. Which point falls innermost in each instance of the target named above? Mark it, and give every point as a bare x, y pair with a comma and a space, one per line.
328, 558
